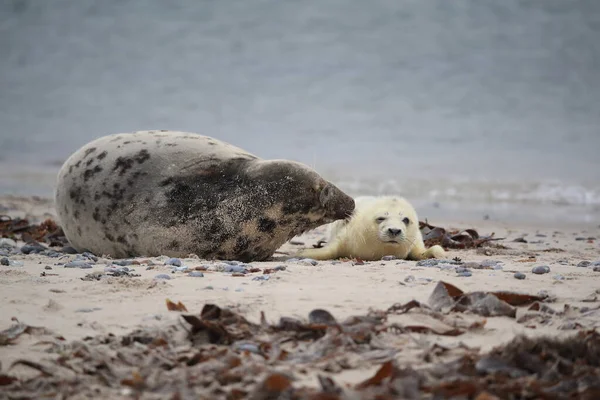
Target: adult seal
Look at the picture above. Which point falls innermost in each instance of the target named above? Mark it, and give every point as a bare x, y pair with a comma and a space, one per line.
151, 193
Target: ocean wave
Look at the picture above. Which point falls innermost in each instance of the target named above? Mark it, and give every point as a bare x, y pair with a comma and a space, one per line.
472, 191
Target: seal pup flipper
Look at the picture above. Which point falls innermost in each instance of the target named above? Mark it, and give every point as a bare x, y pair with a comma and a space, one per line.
329, 252
419, 252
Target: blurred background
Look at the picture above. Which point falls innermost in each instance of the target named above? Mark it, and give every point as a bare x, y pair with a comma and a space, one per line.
469, 108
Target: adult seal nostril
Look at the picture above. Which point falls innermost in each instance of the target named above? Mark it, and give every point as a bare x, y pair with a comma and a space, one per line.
153, 193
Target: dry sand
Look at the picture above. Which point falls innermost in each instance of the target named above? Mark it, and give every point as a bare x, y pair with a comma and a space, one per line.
74, 308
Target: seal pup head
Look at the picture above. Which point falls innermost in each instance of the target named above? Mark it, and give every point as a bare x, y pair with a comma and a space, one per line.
302, 190
392, 220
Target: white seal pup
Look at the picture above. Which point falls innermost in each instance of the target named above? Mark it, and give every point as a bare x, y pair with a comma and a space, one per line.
153, 193
379, 226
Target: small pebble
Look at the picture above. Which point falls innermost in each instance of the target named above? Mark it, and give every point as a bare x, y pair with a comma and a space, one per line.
163, 276
122, 263
264, 277
47, 267
78, 264
320, 316
409, 279
14, 263
464, 274
519, 275
445, 267
498, 267
280, 268
32, 248
596, 268
180, 269
173, 261
229, 262
428, 263
6, 243
292, 259
68, 250
196, 274
558, 277
595, 263
461, 269
5, 261
239, 289
541, 269
209, 288
489, 263
90, 256
308, 261
388, 258
88, 310
250, 347
51, 253
116, 270
235, 268
584, 264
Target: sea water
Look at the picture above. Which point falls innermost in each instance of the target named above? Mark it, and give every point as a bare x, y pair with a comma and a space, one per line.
468, 108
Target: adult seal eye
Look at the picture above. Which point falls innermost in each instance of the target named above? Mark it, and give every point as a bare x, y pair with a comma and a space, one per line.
324, 195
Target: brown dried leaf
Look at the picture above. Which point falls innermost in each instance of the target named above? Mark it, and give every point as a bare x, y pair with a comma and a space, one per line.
7, 379
175, 307
46, 371
274, 384
453, 388
516, 299
136, 381
385, 371
216, 334
444, 296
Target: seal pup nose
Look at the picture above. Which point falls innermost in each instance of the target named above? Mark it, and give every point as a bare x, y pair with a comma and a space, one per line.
394, 232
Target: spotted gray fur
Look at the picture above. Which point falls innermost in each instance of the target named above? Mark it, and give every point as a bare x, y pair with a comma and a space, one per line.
188, 194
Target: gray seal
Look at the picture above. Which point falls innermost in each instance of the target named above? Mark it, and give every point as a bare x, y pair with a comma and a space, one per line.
151, 193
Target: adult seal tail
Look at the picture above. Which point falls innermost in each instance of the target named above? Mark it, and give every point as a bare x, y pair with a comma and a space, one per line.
153, 193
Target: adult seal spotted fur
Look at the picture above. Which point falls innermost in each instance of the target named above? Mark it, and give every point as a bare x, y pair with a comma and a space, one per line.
151, 193
379, 226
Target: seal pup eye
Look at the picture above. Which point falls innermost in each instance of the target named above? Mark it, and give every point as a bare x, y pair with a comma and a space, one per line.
406, 220
380, 219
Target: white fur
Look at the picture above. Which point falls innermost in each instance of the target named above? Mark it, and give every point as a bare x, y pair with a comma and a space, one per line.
379, 226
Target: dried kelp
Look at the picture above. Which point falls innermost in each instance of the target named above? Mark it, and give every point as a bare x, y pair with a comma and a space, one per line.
455, 239
219, 354
21, 229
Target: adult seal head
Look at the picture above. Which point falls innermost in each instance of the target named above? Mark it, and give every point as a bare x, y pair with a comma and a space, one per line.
153, 193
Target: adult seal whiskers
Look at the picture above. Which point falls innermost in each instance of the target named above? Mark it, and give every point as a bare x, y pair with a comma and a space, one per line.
153, 193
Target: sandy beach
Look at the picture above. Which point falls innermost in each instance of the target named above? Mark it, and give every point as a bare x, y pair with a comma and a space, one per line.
77, 303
